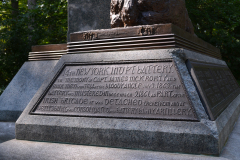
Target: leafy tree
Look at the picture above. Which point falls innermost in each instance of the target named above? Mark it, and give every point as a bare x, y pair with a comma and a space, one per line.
20, 28
218, 22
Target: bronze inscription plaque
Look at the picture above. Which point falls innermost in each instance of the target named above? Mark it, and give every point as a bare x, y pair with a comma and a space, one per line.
148, 90
216, 85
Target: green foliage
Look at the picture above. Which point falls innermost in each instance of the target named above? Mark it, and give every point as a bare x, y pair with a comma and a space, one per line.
2, 89
218, 22
50, 22
45, 24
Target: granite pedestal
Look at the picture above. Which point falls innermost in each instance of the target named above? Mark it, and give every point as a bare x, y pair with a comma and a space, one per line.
199, 135
22, 88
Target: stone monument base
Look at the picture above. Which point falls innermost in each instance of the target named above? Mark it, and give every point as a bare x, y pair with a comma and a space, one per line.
193, 132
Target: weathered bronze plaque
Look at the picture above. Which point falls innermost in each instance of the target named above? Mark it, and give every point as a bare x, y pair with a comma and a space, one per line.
149, 90
216, 85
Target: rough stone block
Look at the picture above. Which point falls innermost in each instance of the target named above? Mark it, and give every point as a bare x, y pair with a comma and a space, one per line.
22, 150
87, 15
7, 131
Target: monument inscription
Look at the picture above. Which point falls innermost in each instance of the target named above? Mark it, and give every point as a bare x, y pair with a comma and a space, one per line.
150, 89
216, 85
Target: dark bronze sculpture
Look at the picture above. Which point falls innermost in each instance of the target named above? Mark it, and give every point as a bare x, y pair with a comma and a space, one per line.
125, 13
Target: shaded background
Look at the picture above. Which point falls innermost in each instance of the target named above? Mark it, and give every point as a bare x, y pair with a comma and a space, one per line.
36, 22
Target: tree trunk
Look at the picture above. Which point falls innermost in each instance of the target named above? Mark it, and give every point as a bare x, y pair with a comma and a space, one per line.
14, 4
31, 5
